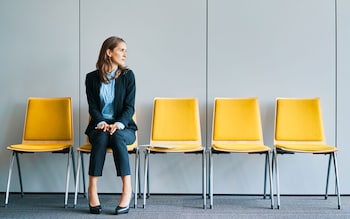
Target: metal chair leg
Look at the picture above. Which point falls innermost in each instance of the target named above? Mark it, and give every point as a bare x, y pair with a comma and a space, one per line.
265, 174
204, 175
211, 179
270, 176
83, 172
73, 165
208, 180
148, 190
67, 178
19, 174
336, 178
9, 178
136, 177
145, 178
277, 179
327, 180
139, 174
77, 180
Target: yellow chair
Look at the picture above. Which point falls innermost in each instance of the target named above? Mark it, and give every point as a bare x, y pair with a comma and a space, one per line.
175, 129
237, 129
299, 129
48, 127
86, 149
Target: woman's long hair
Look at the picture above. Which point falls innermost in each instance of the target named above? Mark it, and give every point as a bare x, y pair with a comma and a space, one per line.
104, 64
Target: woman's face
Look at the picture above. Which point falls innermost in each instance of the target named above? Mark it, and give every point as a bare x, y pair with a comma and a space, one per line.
118, 55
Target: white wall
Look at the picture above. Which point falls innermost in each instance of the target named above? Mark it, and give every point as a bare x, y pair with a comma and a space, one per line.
343, 78
39, 57
204, 49
272, 49
166, 50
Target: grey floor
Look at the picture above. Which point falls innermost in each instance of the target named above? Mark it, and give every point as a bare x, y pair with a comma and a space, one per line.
177, 206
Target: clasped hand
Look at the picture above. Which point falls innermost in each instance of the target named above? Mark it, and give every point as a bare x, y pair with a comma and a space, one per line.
111, 128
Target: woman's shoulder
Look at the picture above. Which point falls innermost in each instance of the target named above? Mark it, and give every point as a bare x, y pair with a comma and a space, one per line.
128, 73
92, 73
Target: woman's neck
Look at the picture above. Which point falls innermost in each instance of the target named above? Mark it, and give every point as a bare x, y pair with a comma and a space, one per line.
113, 67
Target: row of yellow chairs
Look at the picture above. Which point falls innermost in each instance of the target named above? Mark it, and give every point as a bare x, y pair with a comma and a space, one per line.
176, 129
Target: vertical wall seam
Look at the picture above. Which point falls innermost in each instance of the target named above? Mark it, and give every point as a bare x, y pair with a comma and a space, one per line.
206, 76
79, 69
206, 88
336, 68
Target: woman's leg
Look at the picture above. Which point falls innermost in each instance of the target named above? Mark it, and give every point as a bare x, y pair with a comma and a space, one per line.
119, 142
126, 191
99, 141
93, 192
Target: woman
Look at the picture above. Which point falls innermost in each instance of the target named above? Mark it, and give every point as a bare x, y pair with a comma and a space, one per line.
110, 91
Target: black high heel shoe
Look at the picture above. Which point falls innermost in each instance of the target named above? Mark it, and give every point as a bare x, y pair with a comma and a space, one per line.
122, 210
96, 209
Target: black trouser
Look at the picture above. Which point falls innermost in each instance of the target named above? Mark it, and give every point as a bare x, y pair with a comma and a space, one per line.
101, 140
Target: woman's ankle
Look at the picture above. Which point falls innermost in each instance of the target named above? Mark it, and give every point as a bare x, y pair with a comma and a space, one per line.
125, 199
93, 197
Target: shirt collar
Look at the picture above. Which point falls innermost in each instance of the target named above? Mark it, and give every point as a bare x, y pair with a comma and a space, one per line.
112, 73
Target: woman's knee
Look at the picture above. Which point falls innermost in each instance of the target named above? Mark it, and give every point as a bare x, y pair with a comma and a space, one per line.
98, 137
124, 137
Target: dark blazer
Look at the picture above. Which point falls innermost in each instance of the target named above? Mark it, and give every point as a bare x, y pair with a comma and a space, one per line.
124, 99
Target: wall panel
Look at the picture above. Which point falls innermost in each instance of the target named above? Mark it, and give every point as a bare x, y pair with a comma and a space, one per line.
343, 78
270, 49
39, 56
166, 50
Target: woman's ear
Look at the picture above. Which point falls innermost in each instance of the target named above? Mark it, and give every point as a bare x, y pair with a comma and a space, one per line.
109, 53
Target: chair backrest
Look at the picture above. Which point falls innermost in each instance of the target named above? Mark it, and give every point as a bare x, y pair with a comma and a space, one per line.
175, 120
236, 120
135, 144
298, 120
48, 120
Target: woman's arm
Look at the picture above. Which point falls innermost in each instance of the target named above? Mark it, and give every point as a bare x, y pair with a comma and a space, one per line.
128, 107
92, 94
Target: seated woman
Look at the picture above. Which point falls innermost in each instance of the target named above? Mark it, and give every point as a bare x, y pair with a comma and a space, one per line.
110, 91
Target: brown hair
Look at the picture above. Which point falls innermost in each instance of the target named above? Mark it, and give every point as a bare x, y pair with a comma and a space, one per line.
103, 63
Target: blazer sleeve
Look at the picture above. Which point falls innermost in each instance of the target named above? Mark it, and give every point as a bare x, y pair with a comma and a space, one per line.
92, 86
127, 102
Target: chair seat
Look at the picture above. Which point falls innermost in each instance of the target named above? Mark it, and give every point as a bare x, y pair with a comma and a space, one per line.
241, 148
176, 148
307, 148
38, 147
86, 148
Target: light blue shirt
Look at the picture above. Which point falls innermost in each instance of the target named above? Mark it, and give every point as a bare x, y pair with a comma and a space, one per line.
107, 96
107, 99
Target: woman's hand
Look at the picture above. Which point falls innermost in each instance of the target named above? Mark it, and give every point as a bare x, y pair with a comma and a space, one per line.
108, 128
112, 128
103, 126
